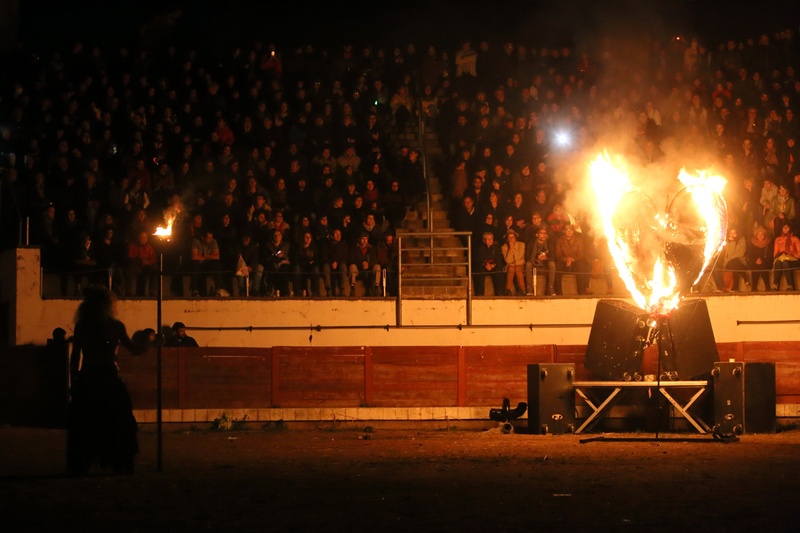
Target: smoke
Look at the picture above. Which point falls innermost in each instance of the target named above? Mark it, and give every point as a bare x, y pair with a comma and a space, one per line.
636, 50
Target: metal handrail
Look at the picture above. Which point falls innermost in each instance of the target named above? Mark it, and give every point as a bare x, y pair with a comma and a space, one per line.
432, 262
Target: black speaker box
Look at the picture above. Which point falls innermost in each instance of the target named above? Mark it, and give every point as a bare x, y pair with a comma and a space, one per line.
687, 344
619, 331
744, 397
551, 398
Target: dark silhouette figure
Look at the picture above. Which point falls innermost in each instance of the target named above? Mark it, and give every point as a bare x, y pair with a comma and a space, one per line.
101, 426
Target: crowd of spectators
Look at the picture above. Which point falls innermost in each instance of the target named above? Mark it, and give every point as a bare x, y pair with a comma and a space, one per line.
523, 118
268, 159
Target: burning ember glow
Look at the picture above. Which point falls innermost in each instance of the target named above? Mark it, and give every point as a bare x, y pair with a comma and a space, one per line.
659, 255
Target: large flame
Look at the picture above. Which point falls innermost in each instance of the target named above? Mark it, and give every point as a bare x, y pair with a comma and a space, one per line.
659, 256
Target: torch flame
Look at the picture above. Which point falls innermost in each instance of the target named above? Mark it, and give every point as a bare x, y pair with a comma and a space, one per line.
165, 231
659, 257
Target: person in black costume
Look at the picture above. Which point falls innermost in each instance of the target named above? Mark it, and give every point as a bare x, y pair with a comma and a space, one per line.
101, 428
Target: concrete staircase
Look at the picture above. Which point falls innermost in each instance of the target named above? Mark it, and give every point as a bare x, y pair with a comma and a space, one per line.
434, 266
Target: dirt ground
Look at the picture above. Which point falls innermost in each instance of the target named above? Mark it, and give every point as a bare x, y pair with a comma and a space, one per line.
422, 479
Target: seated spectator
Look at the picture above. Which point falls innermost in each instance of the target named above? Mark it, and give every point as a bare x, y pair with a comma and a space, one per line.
786, 257
781, 209
364, 265
488, 262
350, 159
85, 264
731, 266
179, 338
279, 223
372, 229
509, 224
488, 224
206, 262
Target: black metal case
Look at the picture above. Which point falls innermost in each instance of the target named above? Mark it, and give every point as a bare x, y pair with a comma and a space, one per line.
551, 398
619, 331
744, 397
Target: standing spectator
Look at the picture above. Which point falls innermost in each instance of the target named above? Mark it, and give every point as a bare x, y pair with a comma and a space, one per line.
275, 256
571, 257
402, 107
307, 259
540, 256
769, 190
759, 258
335, 254
514, 257
111, 258
141, 267
389, 259
395, 204
466, 61
249, 271
466, 219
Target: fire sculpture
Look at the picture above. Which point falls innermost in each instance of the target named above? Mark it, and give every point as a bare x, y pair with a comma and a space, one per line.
659, 255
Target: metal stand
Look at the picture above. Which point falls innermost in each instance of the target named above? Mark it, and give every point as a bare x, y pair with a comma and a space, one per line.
159, 344
598, 411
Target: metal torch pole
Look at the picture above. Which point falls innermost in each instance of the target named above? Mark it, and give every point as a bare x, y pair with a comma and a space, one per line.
159, 345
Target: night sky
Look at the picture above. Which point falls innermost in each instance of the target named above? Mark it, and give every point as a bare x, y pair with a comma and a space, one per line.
50, 23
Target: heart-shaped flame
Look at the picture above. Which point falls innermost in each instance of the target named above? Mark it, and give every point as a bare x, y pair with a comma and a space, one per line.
660, 255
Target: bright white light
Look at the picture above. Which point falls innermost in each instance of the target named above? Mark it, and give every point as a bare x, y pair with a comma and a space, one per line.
562, 138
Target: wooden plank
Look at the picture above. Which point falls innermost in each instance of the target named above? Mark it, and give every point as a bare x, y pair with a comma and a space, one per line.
182, 386
462, 378
276, 379
787, 379
369, 375
209, 378
422, 376
498, 372
320, 376
778, 351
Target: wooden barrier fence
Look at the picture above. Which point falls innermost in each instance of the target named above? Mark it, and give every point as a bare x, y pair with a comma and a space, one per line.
379, 376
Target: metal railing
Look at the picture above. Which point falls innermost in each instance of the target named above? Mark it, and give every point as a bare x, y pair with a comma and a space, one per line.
434, 259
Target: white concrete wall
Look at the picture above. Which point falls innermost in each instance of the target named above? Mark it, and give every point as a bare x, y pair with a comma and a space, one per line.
372, 322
